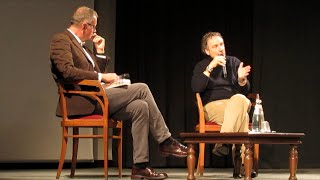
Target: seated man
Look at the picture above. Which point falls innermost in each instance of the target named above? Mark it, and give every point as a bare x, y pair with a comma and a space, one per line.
221, 81
71, 61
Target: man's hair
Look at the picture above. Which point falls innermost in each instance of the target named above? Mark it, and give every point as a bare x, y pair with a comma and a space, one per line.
205, 40
83, 14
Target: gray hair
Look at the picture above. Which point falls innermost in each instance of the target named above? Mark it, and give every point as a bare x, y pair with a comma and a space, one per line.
83, 14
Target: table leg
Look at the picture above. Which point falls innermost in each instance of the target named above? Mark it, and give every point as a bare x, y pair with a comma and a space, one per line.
293, 161
191, 162
248, 161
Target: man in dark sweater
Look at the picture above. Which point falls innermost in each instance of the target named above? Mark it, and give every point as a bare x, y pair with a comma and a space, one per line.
222, 83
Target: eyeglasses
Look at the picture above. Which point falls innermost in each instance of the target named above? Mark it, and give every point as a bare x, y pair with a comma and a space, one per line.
93, 26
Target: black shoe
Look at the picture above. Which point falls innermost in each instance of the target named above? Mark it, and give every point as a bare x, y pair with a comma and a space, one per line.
221, 150
253, 172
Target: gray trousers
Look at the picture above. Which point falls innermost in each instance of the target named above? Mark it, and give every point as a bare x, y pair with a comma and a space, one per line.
136, 103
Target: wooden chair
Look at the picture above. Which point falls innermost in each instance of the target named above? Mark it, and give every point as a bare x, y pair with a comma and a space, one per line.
204, 127
92, 121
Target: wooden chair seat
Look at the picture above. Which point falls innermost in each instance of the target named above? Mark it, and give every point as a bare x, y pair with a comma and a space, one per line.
209, 126
88, 121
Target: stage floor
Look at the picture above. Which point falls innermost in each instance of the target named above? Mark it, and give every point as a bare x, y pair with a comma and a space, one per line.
174, 174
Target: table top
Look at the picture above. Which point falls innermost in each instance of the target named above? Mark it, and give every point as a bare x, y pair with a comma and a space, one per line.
242, 137
244, 134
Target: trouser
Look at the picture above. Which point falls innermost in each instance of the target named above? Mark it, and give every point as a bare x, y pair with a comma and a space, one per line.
231, 114
136, 103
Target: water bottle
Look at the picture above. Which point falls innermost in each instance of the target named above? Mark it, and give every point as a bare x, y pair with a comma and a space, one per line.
258, 115
262, 113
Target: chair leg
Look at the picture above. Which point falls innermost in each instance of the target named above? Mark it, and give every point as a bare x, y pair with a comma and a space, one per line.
200, 167
120, 152
63, 152
74, 152
105, 151
256, 152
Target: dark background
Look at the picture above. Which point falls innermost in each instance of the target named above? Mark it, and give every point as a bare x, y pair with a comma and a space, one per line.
158, 42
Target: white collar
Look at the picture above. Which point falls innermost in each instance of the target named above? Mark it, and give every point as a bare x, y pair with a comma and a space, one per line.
77, 38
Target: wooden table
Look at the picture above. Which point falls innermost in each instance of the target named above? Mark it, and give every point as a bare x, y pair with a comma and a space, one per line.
248, 139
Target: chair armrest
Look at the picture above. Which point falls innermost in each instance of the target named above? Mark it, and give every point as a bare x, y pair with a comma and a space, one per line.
98, 94
252, 97
95, 83
88, 83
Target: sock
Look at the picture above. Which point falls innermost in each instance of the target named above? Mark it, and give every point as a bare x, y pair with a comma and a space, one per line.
141, 165
168, 141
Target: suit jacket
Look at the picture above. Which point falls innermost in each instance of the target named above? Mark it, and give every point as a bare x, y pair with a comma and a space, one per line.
69, 63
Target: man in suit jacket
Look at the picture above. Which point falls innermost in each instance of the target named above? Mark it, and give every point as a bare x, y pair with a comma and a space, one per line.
70, 61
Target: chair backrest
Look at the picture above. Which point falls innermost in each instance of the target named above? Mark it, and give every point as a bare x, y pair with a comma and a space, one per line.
204, 126
200, 113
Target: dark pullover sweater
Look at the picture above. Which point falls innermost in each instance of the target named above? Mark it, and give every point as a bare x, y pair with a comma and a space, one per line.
217, 87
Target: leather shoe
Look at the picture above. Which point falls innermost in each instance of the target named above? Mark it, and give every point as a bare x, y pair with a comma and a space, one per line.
174, 149
239, 176
146, 173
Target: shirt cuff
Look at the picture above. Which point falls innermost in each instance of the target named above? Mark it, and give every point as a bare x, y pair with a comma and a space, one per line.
101, 56
99, 76
242, 81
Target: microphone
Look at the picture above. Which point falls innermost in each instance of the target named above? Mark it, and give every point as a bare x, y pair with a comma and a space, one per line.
224, 70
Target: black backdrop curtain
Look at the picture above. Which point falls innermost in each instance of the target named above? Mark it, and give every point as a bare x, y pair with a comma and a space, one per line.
158, 43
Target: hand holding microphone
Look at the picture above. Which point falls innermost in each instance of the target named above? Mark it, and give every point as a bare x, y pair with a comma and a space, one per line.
223, 63
224, 70
220, 60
